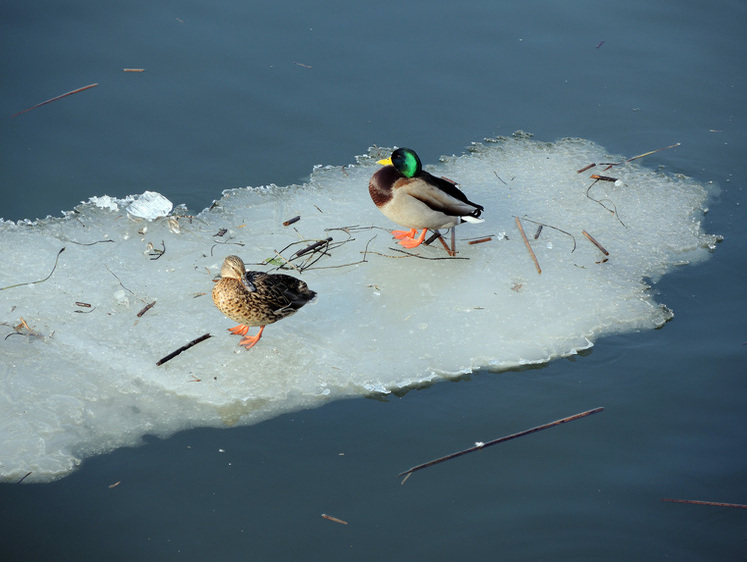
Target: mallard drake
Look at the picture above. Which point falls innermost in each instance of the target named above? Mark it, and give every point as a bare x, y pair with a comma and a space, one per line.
415, 199
253, 298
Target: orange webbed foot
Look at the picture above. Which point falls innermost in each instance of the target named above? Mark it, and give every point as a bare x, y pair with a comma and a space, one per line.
400, 234
250, 341
412, 242
239, 330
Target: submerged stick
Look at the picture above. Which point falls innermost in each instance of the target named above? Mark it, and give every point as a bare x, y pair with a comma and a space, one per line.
479, 446
593, 241
699, 502
173, 354
41, 280
56, 98
531, 252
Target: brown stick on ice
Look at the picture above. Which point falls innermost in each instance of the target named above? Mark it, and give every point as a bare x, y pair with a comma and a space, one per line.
526, 241
173, 354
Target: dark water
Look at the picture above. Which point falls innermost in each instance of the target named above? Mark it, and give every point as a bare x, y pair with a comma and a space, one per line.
227, 99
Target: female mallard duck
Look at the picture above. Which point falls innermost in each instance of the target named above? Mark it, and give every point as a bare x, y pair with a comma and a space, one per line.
253, 298
413, 198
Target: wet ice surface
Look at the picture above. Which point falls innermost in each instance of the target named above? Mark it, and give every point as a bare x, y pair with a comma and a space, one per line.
86, 381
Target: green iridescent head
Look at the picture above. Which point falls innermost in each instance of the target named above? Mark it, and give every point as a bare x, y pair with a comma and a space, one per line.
405, 161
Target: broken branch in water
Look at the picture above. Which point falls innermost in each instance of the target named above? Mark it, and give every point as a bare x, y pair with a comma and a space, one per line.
291, 221
479, 446
41, 280
699, 502
173, 354
56, 98
335, 519
531, 252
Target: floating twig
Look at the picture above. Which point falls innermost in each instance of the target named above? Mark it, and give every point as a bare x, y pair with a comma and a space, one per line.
335, 519
531, 252
117, 483
56, 98
291, 221
699, 502
479, 446
146, 309
585, 168
24, 478
133, 69
173, 354
41, 280
302, 64
82, 304
593, 241
539, 231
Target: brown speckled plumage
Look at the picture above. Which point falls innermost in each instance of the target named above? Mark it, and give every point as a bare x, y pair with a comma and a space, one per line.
253, 298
